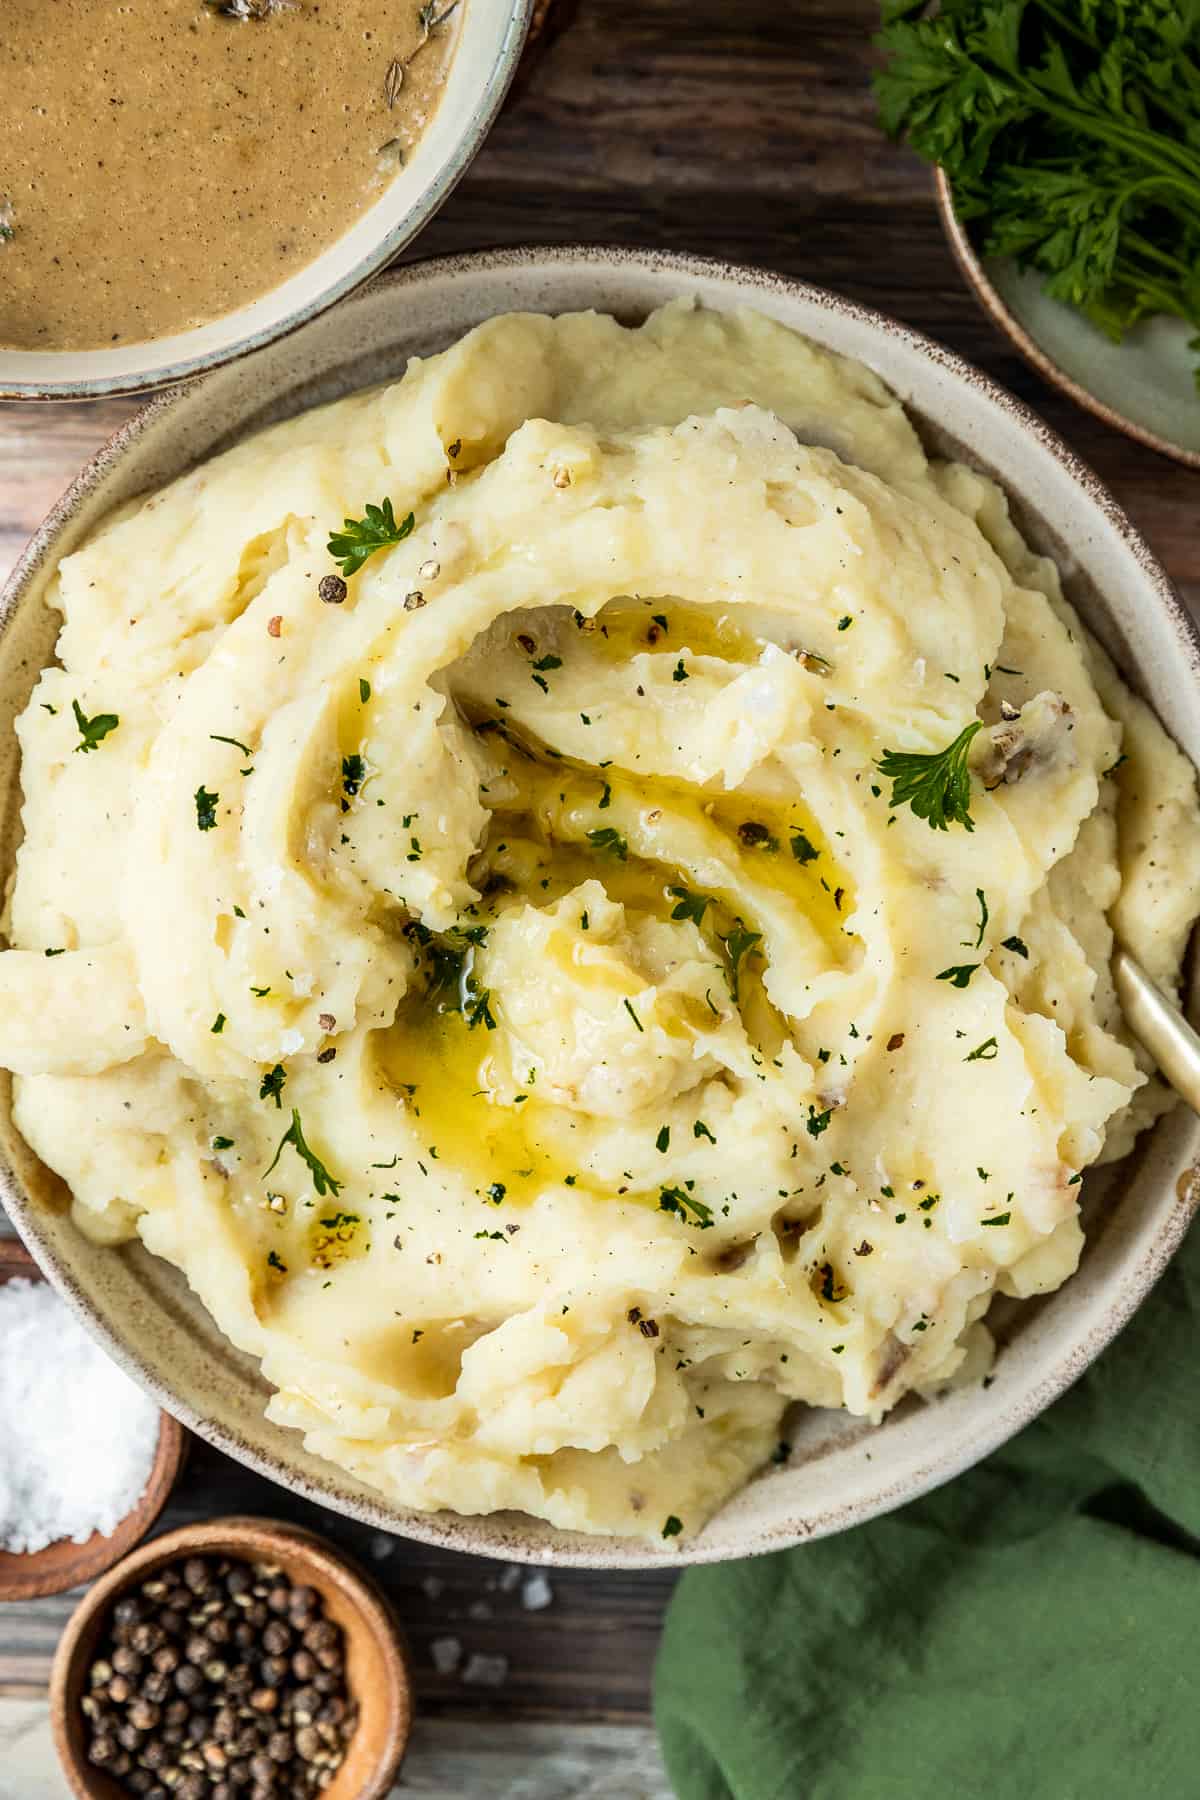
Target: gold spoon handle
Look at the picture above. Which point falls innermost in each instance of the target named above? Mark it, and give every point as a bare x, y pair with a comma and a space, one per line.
1159, 1025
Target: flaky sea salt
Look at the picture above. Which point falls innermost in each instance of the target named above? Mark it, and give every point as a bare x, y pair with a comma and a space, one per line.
536, 1593
446, 1653
486, 1671
77, 1438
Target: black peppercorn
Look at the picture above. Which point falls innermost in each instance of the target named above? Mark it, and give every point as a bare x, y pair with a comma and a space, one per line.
146, 1638
144, 1714
189, 1680
102, 1750
332, 589
196, 1575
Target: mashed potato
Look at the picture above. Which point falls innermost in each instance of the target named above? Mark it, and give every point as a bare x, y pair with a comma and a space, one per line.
537, 998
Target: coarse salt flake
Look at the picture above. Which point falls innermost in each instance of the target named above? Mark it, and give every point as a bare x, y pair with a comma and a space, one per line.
77, 1438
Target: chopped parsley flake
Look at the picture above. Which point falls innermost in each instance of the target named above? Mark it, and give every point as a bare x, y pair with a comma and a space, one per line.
959, 975
738, 945
609, 840
985, 1052
672, 1527
678, 1200
1017, 946
983, 919
92, 730
700, 1129
272, 1084
817, 1122
997, 1219
206, 809
679, 673
662, 1141
218, 1024
323, 1181
628, 1005
689, 906
354, 773
803, 850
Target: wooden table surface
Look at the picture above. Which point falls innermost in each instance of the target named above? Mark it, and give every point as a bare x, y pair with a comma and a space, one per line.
745, 131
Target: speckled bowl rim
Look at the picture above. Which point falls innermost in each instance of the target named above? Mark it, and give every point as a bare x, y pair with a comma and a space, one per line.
386, 249
988, 296
473, 1533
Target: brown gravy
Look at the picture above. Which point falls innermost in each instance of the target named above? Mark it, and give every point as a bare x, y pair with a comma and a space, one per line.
163, 162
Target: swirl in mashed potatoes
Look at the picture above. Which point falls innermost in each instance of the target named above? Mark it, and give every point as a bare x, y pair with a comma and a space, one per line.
513, 995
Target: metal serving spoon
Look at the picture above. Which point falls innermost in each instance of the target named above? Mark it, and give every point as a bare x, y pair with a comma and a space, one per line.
1160, 1026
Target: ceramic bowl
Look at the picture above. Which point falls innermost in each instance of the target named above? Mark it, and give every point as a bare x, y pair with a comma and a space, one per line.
490, 37
841, 1471
376, 1663
33, 1574
1143, 386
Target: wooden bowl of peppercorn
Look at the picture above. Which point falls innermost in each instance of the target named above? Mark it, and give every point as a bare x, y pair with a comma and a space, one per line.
232, 1660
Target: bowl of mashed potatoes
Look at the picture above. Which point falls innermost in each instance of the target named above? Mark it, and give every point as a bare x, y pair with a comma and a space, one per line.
566, 830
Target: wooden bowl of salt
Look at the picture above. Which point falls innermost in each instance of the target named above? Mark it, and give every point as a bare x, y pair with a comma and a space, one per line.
67, 1563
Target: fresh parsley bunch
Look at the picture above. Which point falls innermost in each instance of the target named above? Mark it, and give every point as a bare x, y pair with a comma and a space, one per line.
1070, 129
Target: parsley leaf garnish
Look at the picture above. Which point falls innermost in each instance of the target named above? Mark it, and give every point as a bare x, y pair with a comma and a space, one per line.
93, 729
688, 905
609, 839
361, 538
323, 1181
937, 786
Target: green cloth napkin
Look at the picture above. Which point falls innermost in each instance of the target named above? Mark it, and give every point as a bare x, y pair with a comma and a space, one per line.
1030, 1630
